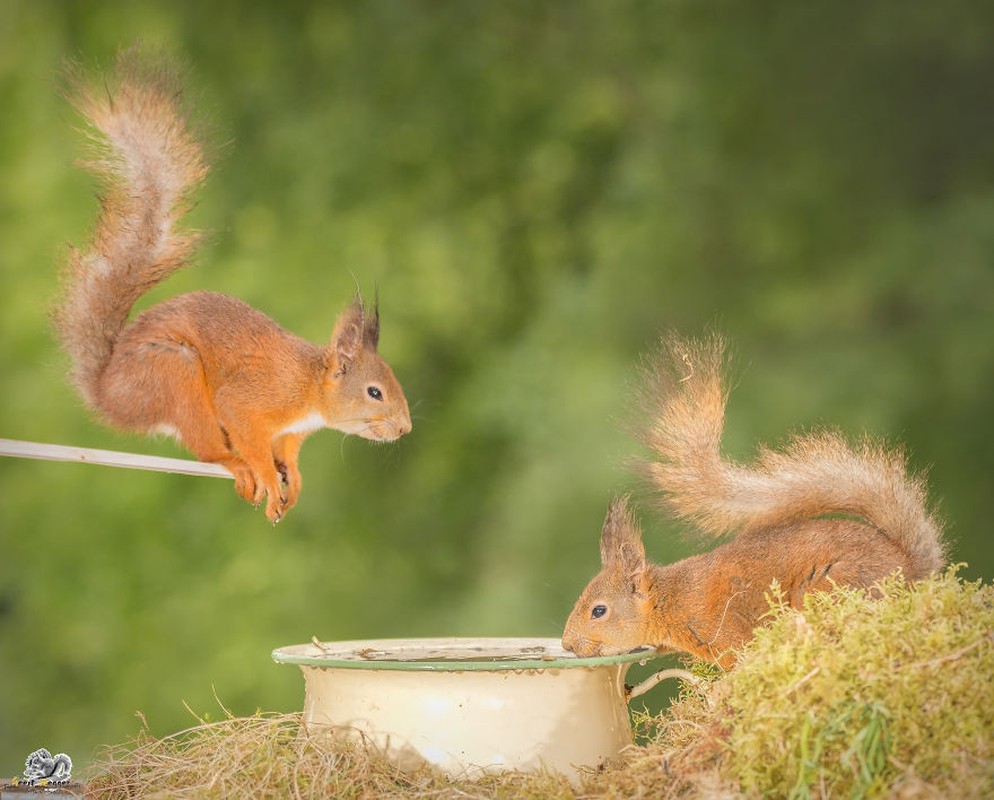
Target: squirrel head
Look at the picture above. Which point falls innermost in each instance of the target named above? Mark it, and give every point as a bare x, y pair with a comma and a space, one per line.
611, 615
362, 395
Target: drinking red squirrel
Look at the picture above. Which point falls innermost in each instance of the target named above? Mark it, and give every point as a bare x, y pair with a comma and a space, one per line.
775, 507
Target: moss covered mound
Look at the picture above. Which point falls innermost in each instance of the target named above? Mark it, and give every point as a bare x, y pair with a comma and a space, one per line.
851, 697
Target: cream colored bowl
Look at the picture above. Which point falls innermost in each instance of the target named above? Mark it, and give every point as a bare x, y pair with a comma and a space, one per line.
470, 706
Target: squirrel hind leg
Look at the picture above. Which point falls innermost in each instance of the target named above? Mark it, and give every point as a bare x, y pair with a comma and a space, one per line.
160, 389
142, 389
155, 383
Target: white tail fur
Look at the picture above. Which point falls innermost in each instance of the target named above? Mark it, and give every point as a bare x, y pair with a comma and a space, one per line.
812, 475
150, 162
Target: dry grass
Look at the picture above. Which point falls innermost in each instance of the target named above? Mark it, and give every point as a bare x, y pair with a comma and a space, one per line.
850, 697
270, 755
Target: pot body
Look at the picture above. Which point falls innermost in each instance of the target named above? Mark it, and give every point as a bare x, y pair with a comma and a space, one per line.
468, 719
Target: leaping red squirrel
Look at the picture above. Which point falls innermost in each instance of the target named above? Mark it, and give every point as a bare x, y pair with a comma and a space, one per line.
224, 379
709, 604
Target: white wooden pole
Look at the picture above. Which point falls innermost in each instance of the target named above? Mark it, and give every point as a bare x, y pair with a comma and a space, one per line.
110, 458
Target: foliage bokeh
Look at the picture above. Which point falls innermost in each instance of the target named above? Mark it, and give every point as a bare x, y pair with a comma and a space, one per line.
536, 190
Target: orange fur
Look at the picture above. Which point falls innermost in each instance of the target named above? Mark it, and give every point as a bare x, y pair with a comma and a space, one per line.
227, 381
710, 604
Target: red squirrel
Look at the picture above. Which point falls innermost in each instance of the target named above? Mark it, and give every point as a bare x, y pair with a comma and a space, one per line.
225, 380
708, 605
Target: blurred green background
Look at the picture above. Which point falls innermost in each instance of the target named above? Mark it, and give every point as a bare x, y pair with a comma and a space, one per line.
537, 190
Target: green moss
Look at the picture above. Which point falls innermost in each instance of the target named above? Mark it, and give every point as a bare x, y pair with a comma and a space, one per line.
858, 697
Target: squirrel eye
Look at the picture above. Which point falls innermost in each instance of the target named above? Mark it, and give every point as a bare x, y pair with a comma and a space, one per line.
374, 392
598, 611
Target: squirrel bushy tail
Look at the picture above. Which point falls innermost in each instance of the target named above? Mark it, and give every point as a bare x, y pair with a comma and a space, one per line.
150, 162
812, 475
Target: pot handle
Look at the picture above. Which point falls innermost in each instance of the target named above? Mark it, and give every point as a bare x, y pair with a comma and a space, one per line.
631, 692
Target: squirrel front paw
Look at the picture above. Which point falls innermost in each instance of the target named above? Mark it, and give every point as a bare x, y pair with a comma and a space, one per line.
291, 479
256, 485
275, 507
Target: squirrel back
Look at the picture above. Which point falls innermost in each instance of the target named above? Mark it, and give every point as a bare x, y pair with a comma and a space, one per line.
776, 507
225, 380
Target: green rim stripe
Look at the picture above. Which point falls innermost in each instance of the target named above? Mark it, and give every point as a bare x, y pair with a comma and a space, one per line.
459, 666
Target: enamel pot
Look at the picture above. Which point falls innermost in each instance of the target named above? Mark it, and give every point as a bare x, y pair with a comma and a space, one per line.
470, 706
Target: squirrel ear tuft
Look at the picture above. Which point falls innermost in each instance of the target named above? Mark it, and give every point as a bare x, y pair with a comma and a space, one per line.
347, 338
371, 327
621, 538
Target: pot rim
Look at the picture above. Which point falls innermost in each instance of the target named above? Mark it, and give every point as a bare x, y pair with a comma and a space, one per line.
535, 654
